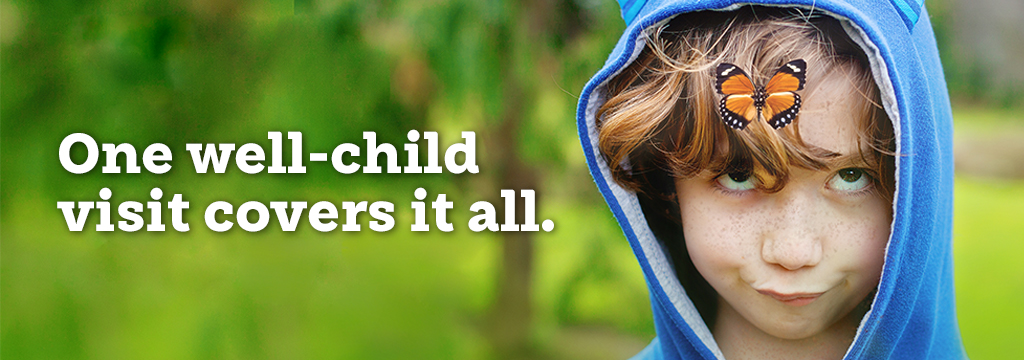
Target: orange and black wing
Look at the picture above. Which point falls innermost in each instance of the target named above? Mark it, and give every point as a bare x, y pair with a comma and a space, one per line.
781, 108
789, 77
738, 110
782, 103
737, 107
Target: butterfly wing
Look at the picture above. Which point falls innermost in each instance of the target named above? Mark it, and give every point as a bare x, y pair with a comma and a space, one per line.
737, 107
731, 80
738, 110
789, 77
781, 102
781, 108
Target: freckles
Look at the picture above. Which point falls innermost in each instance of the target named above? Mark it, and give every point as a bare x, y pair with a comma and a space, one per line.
735, 237
837, 233
742, 229
714, 235
861, 242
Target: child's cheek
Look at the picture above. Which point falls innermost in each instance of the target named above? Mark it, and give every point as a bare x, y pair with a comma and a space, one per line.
864, 239
720, 237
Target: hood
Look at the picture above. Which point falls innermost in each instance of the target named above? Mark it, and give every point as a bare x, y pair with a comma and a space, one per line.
912, 315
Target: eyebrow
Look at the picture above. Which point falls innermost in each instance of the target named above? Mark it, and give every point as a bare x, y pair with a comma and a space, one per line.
836, 160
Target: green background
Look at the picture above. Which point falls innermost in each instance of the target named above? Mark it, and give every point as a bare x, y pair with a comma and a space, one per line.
176, 72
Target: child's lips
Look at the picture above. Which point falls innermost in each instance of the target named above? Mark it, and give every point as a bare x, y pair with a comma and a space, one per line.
792, 299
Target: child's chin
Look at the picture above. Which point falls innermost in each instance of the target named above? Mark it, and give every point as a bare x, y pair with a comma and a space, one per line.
792, 329
798, 334
798, 323
810, 321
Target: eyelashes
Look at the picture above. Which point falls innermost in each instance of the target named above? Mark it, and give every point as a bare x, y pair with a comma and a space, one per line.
851, 180
846, 181
736, 181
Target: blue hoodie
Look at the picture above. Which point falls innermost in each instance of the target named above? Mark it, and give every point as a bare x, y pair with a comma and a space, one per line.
913, 314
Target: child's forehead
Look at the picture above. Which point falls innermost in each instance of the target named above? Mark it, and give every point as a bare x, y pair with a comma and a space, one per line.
835, 113
855, 156
832, 123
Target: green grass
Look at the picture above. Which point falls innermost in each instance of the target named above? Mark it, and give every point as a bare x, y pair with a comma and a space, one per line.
986, 120
988, 240
988, 243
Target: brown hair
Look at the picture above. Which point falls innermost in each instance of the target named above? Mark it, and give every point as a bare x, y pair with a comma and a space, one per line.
661, 119
662, 110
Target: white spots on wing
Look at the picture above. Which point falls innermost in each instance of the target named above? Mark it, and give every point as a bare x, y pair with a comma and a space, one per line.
731, 119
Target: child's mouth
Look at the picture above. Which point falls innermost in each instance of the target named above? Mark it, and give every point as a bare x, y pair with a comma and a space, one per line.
795, 299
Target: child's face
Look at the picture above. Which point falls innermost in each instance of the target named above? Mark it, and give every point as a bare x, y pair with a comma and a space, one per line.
795, 262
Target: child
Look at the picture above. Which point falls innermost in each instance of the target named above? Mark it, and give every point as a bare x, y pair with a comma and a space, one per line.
784, 177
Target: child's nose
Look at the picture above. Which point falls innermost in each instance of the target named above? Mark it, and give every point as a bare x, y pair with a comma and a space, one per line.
794, 239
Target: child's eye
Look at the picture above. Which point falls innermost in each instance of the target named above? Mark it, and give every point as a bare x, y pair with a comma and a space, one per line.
850, 180
737, 181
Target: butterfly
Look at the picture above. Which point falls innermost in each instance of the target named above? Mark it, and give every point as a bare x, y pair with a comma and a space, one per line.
777, 102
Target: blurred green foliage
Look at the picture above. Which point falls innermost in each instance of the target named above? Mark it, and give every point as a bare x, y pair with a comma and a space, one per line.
229, 71
979, 44
215, 71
